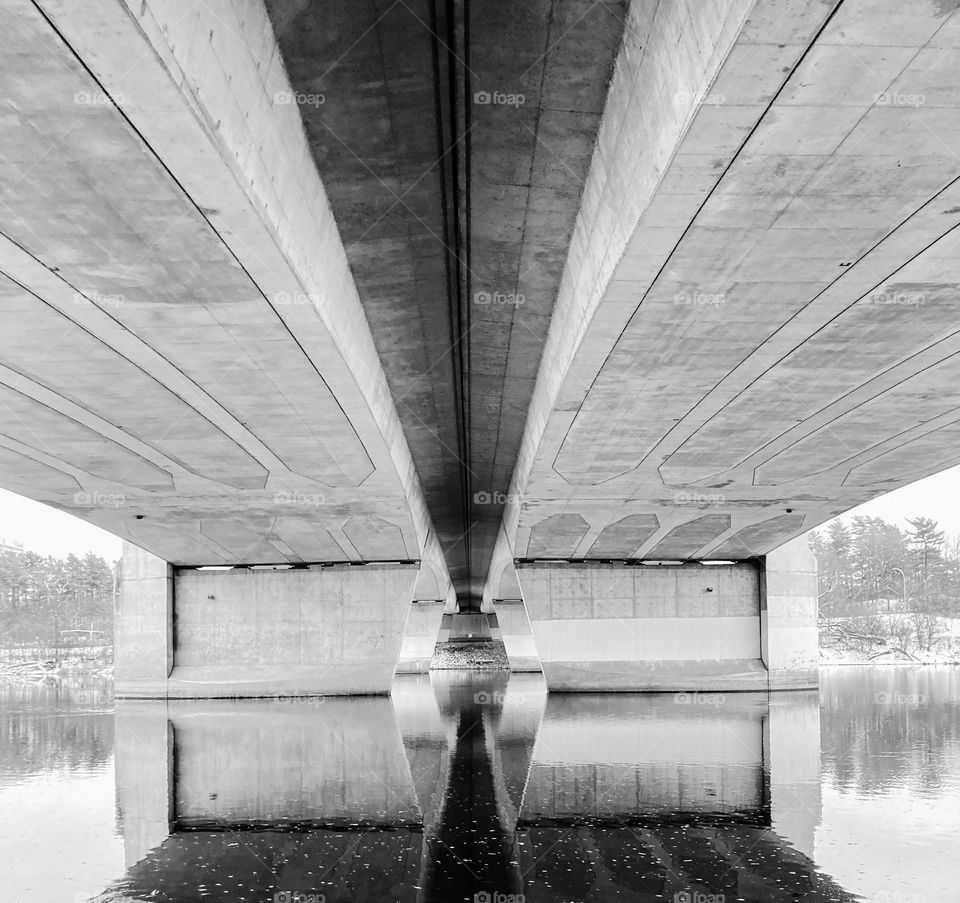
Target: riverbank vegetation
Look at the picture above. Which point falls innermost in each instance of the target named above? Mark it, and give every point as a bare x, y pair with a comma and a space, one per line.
55, 612
888, 593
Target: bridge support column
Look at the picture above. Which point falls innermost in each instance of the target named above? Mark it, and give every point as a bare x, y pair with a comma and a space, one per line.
143, 624
420, 637
470, 640
610, 627
789, 641
331, 630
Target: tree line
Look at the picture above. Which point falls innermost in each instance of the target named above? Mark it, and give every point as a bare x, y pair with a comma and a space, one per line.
50, 601
882, 586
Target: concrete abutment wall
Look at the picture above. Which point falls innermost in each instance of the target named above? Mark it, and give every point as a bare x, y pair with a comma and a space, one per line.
338, 630
733, 626
332, 630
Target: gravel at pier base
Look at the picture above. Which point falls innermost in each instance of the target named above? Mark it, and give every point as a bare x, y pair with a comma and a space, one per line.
486, 655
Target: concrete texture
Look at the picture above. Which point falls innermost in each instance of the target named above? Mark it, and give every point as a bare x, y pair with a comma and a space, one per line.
186, 357
400, 172
352, 282
243, 632
608, 627
751, 333
788, 615
420, 637
143, 624
517, 635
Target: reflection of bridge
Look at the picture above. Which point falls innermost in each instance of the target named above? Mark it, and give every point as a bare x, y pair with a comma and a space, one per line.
287, 284
440, 795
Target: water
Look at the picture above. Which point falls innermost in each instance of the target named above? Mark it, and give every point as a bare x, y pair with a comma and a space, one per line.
479, 789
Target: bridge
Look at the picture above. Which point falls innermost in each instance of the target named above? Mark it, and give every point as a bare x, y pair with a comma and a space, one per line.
597, 305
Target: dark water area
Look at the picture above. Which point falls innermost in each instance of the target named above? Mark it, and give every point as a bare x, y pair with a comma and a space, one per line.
482, 788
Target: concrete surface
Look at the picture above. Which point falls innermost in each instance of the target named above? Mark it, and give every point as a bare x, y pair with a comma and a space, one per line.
331, 630
143, 623
752, 333
739, 626
186, 357
420, 637
345, 282
517, 636
788, 616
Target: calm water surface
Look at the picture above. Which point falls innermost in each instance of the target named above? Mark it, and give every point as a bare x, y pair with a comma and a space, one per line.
476, 788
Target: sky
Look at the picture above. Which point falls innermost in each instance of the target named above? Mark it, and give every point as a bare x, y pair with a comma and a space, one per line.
51, 532
937, 497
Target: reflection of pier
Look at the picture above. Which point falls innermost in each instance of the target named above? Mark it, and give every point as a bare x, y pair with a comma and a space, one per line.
312, 796
454, 787
648, 798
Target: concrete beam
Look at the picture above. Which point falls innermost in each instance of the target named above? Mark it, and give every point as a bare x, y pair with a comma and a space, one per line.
752, 333
191, 353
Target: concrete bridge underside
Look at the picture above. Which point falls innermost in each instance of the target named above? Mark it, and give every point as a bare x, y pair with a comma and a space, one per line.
523, 295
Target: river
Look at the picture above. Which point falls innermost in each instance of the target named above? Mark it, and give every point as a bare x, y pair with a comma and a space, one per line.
481, 788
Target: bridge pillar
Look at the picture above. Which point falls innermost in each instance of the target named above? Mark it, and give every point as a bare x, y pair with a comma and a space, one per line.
789, 641
330, 630
143, 624
420, 637
471, 640
614, 627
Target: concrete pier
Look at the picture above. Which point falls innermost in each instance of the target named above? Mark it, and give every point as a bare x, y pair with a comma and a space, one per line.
420, 637
748, 625
331, 630
470, 640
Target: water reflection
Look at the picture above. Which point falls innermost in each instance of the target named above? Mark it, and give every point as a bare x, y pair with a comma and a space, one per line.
673, 798
467, 787
470, 848
476, 788
58, 836
55, 726
892, 727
